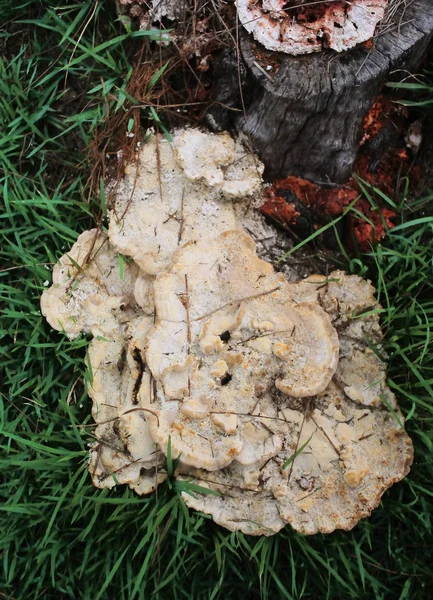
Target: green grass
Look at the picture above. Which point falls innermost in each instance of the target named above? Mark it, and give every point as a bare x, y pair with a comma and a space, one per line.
63, 71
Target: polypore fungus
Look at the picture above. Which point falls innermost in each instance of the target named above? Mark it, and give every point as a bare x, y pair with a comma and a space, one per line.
302, 27
227, 333
121, 389
179, 192
89, 293
267, 392
340, 450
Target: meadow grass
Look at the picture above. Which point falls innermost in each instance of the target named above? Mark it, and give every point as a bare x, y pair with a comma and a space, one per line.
64, 68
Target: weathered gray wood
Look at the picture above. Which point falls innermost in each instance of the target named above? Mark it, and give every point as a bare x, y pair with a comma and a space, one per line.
306, 119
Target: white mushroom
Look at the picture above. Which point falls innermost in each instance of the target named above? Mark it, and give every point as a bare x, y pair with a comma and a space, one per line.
122, 392
348, 457
340, 451
238, 503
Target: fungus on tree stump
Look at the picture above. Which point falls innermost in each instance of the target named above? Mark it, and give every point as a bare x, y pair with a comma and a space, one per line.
304, 113
302, 26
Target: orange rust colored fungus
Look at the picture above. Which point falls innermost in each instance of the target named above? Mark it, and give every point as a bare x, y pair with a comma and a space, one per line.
372, 231
382, 112
333, 202
277, 208
381, 160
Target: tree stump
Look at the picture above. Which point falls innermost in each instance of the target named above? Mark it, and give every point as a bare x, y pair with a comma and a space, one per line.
304, 114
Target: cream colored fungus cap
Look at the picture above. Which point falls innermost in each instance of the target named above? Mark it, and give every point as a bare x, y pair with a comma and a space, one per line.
180, 191
227, 331
89, 292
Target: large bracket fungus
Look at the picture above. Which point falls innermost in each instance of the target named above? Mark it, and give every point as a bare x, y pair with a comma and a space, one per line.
301, 26
265, 390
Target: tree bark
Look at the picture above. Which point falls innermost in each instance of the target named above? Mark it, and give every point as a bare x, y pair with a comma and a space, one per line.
305, 114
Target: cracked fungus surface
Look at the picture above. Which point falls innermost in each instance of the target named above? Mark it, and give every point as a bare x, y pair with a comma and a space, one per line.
302, 27
266, 390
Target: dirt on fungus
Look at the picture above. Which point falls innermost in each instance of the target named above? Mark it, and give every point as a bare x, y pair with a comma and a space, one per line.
382, 161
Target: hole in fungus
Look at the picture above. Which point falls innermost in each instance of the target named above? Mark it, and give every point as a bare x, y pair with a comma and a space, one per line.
225, 336
226, 379
136, 355
121, 363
